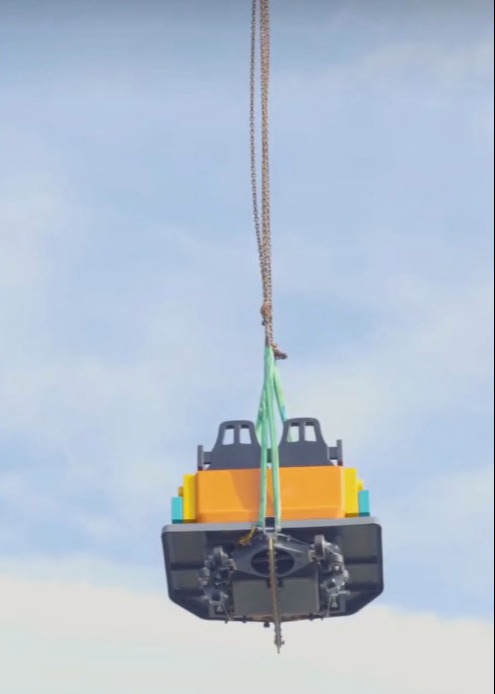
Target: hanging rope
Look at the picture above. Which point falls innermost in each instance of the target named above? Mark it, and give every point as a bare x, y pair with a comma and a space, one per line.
262, 226
271, 395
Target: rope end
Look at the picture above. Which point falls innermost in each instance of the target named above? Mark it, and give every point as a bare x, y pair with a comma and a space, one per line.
267, 318
278, 354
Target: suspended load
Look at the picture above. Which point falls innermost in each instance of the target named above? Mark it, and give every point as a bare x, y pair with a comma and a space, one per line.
270, 529
324, 561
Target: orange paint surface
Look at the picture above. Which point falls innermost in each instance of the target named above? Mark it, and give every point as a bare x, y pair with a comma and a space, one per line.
224, 496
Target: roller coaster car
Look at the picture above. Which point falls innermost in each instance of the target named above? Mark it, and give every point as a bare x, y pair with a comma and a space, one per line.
327, 554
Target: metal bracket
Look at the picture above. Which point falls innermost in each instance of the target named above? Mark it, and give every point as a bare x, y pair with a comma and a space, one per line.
215, 580
333, 573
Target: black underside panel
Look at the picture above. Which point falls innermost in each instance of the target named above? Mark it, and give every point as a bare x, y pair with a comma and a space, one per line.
301, 595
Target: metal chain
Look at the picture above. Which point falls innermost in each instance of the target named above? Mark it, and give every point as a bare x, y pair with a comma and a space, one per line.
262, 228
277, 621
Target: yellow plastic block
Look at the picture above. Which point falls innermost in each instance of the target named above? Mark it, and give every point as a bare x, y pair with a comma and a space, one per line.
189, 497
225, 496
351, 483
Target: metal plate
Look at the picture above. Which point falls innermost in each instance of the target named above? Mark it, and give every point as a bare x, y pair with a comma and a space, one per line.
185, 547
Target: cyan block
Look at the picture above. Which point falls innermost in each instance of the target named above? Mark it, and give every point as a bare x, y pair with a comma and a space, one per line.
364, 502
177, 511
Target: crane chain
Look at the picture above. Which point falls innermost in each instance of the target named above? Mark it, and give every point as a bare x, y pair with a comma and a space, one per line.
277, 621
262, 226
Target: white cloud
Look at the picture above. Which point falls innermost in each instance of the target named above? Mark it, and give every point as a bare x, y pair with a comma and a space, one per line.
443, 531
72, 638
461, 502
131, 407
32, 214
434, 359
403, 64
449, 67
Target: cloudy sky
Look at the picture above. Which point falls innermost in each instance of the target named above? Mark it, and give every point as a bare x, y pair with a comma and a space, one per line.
129, 326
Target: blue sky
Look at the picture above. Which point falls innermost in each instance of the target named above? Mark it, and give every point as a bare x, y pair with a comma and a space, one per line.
129, 298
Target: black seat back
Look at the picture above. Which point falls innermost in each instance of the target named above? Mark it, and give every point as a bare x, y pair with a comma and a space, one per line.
234, 455
298, 449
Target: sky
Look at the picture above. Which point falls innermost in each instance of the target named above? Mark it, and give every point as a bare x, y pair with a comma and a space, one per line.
130, 327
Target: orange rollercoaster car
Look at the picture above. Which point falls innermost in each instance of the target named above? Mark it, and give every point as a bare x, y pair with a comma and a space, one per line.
324, 561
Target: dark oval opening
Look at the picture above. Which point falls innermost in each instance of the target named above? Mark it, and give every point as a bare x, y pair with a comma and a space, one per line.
284, 562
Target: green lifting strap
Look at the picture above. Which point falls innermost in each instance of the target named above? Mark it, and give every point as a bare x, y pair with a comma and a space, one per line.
266, 431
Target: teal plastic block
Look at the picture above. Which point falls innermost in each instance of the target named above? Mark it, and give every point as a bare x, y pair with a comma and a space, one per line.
364, 502
177, 510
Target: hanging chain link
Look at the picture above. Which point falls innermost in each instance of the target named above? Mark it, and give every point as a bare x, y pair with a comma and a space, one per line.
262, 226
